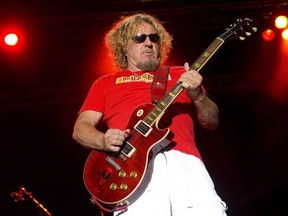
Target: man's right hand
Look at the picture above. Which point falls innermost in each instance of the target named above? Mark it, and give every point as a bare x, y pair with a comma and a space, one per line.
113, 139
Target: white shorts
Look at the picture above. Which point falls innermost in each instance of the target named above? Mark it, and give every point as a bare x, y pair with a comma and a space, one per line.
180, 186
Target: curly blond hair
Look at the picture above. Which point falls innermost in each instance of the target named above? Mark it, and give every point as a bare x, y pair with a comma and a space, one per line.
118, 39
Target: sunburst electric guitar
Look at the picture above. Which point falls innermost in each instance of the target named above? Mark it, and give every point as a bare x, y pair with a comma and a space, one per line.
115, 179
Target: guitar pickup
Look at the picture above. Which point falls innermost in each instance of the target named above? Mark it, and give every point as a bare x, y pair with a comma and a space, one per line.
128, 149
143, 128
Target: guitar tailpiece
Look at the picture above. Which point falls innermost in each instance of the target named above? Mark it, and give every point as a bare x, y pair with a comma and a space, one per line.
92, 200
122, 209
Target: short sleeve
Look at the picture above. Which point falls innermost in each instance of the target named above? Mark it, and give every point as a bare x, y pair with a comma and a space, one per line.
95, 97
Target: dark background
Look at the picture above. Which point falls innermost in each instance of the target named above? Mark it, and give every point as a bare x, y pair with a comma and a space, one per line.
44, 82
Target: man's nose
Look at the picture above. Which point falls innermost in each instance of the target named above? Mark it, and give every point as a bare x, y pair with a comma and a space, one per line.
148, 42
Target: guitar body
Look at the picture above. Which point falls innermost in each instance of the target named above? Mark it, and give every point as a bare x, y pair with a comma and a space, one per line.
120, 178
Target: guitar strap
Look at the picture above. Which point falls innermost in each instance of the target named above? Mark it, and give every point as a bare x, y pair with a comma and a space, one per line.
158, 87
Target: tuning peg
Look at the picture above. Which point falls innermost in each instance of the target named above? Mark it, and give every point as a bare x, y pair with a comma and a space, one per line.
242, 38
248, 33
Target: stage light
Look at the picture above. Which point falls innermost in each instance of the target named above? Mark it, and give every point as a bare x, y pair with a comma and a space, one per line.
281, 22
268, 35
11, 39
285, 34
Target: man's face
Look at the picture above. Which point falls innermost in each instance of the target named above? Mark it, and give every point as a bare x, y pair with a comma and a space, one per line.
144, 55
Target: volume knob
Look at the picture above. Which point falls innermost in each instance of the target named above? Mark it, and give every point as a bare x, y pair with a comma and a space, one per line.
122, 174
133, 174
123, 187
113, 186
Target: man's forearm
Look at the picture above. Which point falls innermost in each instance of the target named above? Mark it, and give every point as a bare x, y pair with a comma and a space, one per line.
86, 135
207, 112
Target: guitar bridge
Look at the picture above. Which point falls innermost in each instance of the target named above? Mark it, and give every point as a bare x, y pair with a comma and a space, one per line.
143, 128
113, 163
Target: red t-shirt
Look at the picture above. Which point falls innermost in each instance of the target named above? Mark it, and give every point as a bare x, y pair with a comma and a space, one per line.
117, 95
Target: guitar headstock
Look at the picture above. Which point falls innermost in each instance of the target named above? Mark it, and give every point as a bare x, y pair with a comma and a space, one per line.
241, 29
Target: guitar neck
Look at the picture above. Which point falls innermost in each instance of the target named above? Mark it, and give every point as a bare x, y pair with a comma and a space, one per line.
207, 54
178, 88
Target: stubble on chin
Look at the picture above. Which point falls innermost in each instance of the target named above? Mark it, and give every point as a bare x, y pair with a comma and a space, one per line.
149, 65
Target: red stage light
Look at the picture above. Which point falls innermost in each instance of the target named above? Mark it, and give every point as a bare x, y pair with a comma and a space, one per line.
268, 35
11, 39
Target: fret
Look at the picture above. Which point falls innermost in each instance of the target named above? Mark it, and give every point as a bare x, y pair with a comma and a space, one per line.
159, 110
150, 118
171, 94
154, 114
163, 103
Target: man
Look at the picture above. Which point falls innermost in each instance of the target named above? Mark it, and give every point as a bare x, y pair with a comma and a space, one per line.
180, 184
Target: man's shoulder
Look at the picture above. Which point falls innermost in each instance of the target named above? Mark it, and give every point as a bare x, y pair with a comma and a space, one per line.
106, 77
